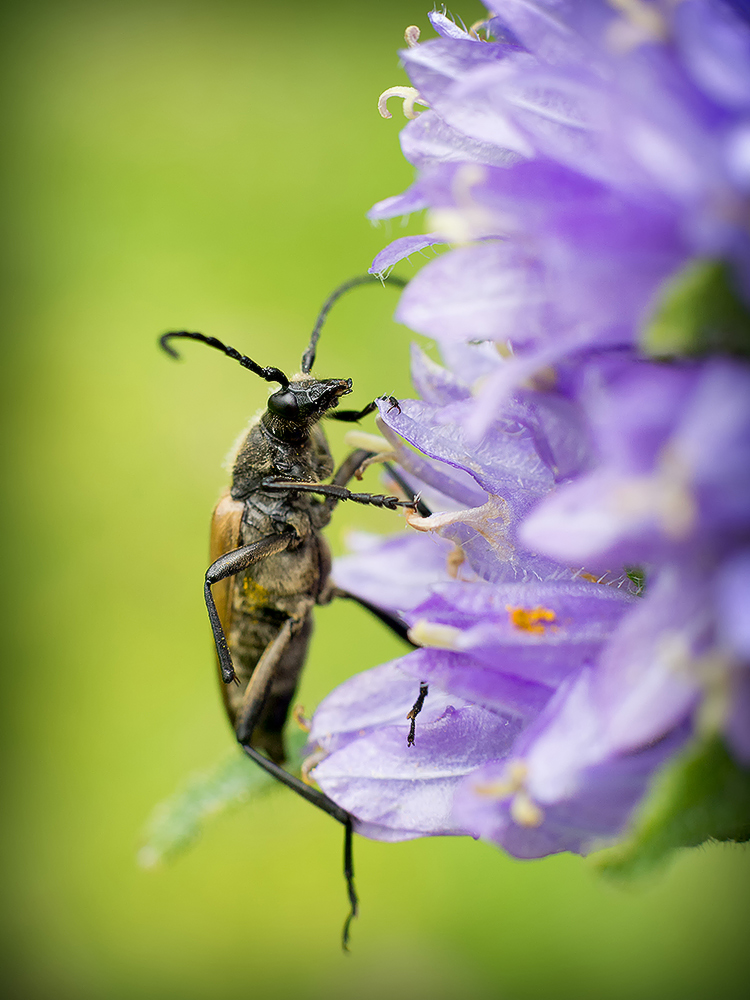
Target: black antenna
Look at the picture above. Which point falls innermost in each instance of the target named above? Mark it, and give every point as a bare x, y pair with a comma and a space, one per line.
269, 374
308, 358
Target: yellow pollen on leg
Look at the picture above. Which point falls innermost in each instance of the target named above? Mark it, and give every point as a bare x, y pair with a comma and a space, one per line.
535, 620
253, 592
409, 95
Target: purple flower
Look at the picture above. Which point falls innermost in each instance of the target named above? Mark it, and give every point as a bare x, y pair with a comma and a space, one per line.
590, 164
583, 157
674, 468
503, 631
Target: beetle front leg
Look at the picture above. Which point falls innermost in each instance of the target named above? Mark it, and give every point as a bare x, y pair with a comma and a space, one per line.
228, 565
351, 416
360, 459
337, 492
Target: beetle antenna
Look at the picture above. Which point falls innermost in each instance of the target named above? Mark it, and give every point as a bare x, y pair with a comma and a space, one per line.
269, 374
308, 358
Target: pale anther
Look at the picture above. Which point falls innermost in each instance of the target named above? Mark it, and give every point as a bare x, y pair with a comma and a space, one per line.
409, 95
525, 811
370, 442
475, 28
645, 17
411, 35
425, 633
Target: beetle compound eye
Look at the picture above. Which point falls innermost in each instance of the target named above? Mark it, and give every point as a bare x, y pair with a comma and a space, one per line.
284, 404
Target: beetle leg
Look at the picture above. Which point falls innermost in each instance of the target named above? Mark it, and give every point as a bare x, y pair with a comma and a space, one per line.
321, 800
258, 688
252, 707
228, 565
349, 876
416, 709
349, 467
358, 460
401, 629
351, 416
395, 624
422, 509
332, 490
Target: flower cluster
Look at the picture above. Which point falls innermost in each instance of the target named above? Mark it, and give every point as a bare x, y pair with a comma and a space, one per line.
580, 592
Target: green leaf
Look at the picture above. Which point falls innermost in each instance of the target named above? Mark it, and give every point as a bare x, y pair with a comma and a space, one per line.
178, 822
702, 795
637, 577
698, 312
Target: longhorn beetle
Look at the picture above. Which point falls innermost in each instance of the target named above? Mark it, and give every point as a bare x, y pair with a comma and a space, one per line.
270, 563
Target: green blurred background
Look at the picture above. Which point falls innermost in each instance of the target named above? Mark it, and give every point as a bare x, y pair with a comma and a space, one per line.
207, 166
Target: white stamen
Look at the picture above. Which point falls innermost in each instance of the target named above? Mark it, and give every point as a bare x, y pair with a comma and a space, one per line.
511, 782
410, 97
370, 442
640, 22
310, 763
717, 674
475, 27
455, 560
411, 35
381, 456
646, 17
425, 633
467, 219
525, 811
383, 452
298, 714
665, 495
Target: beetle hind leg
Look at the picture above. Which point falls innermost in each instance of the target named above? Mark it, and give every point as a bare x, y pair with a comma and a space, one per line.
259, 695
349, 876
321, 800
228, 565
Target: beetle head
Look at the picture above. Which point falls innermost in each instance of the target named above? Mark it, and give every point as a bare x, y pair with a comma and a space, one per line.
301, 403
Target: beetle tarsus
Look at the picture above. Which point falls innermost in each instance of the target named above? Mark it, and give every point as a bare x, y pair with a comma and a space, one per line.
352, 416
349, 876
416, 500
416, 709
274, 485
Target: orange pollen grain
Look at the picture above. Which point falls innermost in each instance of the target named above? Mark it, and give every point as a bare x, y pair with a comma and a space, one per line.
530, 619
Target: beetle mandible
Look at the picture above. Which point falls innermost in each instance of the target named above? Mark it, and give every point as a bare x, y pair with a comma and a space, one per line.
269, 561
